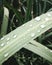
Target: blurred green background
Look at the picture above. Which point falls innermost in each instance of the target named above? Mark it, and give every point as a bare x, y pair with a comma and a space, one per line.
20, 12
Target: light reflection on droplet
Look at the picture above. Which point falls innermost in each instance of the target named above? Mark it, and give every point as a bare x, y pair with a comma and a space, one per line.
6, 55
48, 14
30, 25
32, 34
42, 26
38, 31
37, 18
8, 39
46, 19
7, 42
2, 45
14, 36
2, 38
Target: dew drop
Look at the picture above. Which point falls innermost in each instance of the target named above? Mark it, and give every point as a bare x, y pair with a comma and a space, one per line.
6, 55
23, 25
8, 39
2, 38
46, 19
14, 36
7, 42
42, 26
30, 25
33, 34
48, 14
2, 44
37, 18
38, 31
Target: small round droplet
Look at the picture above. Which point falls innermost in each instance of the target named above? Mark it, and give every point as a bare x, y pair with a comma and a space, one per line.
23, 25
6, 55
14, 36
46, 19
2, 44
42, 26
37, 18
38, 31
33, 34
8, 39
7, 42
2, 38
48, 14
30, 25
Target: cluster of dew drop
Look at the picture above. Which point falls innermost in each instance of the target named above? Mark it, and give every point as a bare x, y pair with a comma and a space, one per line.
3, 44
38, 19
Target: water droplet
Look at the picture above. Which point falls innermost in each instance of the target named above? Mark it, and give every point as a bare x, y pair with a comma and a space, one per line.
6, 55
33, 34
42, 26
38, 31
46, 19
30, 25
23, 25
8, 39
14, 36
37, 18
2, 44
7, 42
48, 14
2, 38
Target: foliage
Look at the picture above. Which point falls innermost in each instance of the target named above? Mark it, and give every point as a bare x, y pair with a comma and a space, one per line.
20, 12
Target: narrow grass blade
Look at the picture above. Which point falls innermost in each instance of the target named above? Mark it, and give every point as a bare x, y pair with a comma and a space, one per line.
5, 22
28, 11
39, 49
